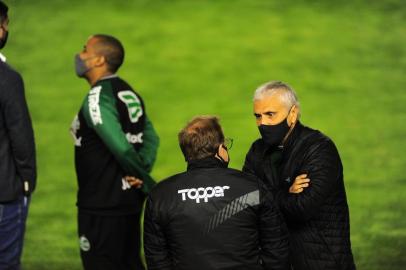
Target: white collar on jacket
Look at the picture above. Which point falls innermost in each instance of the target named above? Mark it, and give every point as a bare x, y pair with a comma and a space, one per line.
2, 58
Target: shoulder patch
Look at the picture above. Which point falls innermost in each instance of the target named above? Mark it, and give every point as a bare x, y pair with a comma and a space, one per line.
94, 108
133, 104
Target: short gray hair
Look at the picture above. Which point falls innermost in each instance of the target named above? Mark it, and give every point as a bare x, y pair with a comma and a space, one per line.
268, 89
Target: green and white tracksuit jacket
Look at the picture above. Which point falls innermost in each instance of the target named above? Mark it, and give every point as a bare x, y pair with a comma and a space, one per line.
113, 138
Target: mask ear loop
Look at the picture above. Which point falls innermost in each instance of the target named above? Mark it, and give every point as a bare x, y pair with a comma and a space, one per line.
290, 129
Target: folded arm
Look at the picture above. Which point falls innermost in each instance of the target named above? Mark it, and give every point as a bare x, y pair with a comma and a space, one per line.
323, 167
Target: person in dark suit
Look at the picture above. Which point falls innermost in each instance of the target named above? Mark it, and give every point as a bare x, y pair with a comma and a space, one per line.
17, 157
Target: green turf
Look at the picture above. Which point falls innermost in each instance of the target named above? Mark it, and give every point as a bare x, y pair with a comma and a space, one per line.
346, 61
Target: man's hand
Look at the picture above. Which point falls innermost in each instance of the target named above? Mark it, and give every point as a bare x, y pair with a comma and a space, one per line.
301, 182
134, 182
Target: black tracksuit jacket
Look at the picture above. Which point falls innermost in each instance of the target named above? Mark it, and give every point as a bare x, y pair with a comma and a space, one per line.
211, 217
113, 138
17, 148
317, 218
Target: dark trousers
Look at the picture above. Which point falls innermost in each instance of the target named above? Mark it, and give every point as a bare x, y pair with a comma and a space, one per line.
12, 227
110, 242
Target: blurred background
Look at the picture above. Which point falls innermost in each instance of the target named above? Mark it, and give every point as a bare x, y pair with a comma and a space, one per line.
346, 60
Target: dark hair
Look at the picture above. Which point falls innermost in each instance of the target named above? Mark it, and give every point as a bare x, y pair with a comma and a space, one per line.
112, 49
3, 11
201, 137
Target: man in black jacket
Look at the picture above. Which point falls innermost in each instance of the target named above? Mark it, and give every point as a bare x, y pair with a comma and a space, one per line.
316, 212
212, 217
17, 157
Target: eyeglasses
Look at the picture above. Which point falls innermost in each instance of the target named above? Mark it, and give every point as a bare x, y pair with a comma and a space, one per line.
228, 143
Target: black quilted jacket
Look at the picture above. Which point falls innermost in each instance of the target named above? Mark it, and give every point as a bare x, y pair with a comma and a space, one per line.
212, 218
317, 218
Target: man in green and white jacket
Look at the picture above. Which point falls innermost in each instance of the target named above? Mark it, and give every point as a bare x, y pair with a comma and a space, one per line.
115, 149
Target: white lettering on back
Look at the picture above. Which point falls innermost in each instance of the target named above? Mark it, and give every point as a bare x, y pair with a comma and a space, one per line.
202, 193
94, 108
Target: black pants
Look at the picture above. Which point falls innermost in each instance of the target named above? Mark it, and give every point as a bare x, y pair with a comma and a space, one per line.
110, 242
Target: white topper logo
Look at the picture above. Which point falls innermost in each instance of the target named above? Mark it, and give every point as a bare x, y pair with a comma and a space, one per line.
202, 193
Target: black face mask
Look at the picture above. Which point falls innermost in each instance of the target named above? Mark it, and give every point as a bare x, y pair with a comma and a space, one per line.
3, 41
274, 134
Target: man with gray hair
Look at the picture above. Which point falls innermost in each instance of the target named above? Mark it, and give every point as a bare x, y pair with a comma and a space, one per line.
314, 204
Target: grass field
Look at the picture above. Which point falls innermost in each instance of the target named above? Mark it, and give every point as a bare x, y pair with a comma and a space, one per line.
346, 61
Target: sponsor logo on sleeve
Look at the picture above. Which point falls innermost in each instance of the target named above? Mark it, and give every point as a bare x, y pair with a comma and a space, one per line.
133, 104
134, 138
201, 193
94, 108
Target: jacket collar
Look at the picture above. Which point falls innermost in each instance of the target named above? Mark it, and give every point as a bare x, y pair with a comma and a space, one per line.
293, 137
208, 162
108, 77
112, 76
2, 58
